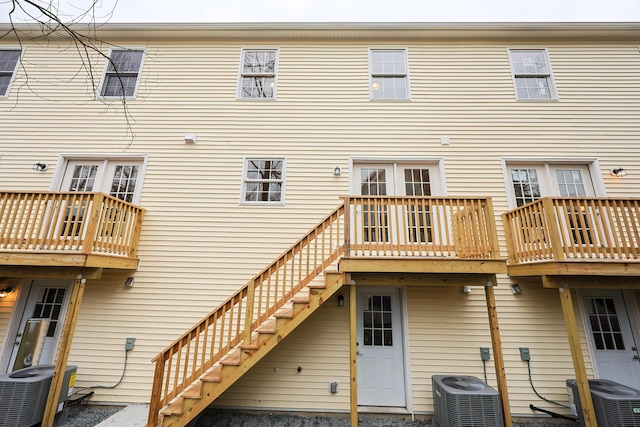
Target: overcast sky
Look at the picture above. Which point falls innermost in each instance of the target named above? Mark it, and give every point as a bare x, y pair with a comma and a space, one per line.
352, 10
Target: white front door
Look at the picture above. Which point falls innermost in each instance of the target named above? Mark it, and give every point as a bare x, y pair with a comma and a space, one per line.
380, 359
611, 337
49, 300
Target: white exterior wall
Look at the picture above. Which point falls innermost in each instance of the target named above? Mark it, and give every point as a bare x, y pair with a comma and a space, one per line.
198, 244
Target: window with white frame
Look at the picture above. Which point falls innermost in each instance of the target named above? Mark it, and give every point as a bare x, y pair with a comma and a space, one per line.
263, 180
531, 181
258, 72
389, 74
9, 59
532, 74
122, 73
120, 177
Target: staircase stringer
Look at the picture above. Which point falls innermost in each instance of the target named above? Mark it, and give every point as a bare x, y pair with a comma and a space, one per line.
191, 405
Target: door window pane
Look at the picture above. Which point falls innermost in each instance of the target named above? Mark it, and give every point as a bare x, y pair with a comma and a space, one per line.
376, 321
605, 325
84, 178
526, 186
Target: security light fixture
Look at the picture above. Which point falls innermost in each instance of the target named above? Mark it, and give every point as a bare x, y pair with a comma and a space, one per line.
515, 289
465, 289
190, 138
129, 282
337, 171
619, 172
340, 300
40, 167
5, 291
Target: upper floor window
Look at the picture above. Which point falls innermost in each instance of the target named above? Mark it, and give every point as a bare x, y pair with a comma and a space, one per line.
532, 74
258, 74
389, 75
122, 73
263, 180
8, 66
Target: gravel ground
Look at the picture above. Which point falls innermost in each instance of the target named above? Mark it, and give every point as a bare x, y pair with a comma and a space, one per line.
89, 416
217, 418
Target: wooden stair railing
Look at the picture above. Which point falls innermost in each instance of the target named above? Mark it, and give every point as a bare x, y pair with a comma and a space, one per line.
236, 321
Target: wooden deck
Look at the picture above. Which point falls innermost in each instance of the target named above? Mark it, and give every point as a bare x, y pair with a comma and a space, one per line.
574, 236
67, 230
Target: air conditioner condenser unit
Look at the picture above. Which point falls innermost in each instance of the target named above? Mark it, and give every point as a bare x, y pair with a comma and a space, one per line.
464, 401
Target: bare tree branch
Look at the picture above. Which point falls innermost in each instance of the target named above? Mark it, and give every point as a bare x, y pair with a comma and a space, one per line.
80, 31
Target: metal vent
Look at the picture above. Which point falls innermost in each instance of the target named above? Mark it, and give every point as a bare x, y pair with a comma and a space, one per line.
465, 401
615, 405
24, 393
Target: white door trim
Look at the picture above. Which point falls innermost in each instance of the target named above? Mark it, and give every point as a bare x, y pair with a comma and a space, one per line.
14, 324
632, 315
404, 347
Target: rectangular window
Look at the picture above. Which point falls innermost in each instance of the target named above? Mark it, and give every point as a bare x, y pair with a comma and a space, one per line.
526, 187
389, 75
8, 66
263, 181
258, 74
122, 73
532, 74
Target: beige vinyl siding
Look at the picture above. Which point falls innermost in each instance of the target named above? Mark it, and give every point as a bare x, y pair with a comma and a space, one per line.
320, 347
198, 243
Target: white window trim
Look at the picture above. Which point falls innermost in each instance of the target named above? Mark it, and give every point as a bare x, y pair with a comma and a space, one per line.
545, 163
15, 70
437, 162
245, 162
106, 66
275, 77
407, 79
64, 158
552, 80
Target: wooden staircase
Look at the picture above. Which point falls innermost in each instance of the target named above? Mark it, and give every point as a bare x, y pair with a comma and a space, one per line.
205, 361
242, 358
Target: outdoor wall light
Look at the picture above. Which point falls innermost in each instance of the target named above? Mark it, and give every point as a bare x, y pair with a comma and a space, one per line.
129, 282
515, 289
465, 289
337, 171
340, 300
190, 138
5, 291
40, 167
619, 172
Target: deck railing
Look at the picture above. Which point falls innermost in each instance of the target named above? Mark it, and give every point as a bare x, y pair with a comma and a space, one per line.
77, 222
565, 228
361, 226
454, 227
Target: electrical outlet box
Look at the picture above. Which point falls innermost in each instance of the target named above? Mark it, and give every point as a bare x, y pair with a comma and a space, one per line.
484, 353
524, 354
129, 343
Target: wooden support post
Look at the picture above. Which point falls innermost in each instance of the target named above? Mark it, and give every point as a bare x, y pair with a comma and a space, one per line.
62, 356
498, 358
248, 318
353, 354
588, 412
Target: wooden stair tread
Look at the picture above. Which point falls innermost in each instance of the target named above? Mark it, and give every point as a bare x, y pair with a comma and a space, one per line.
174, 408
194, 391
232, 358
214, 375
268, 327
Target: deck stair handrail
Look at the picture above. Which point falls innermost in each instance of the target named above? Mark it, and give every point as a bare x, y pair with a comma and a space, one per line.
574, 228
454, 227
82, 222
234, 321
